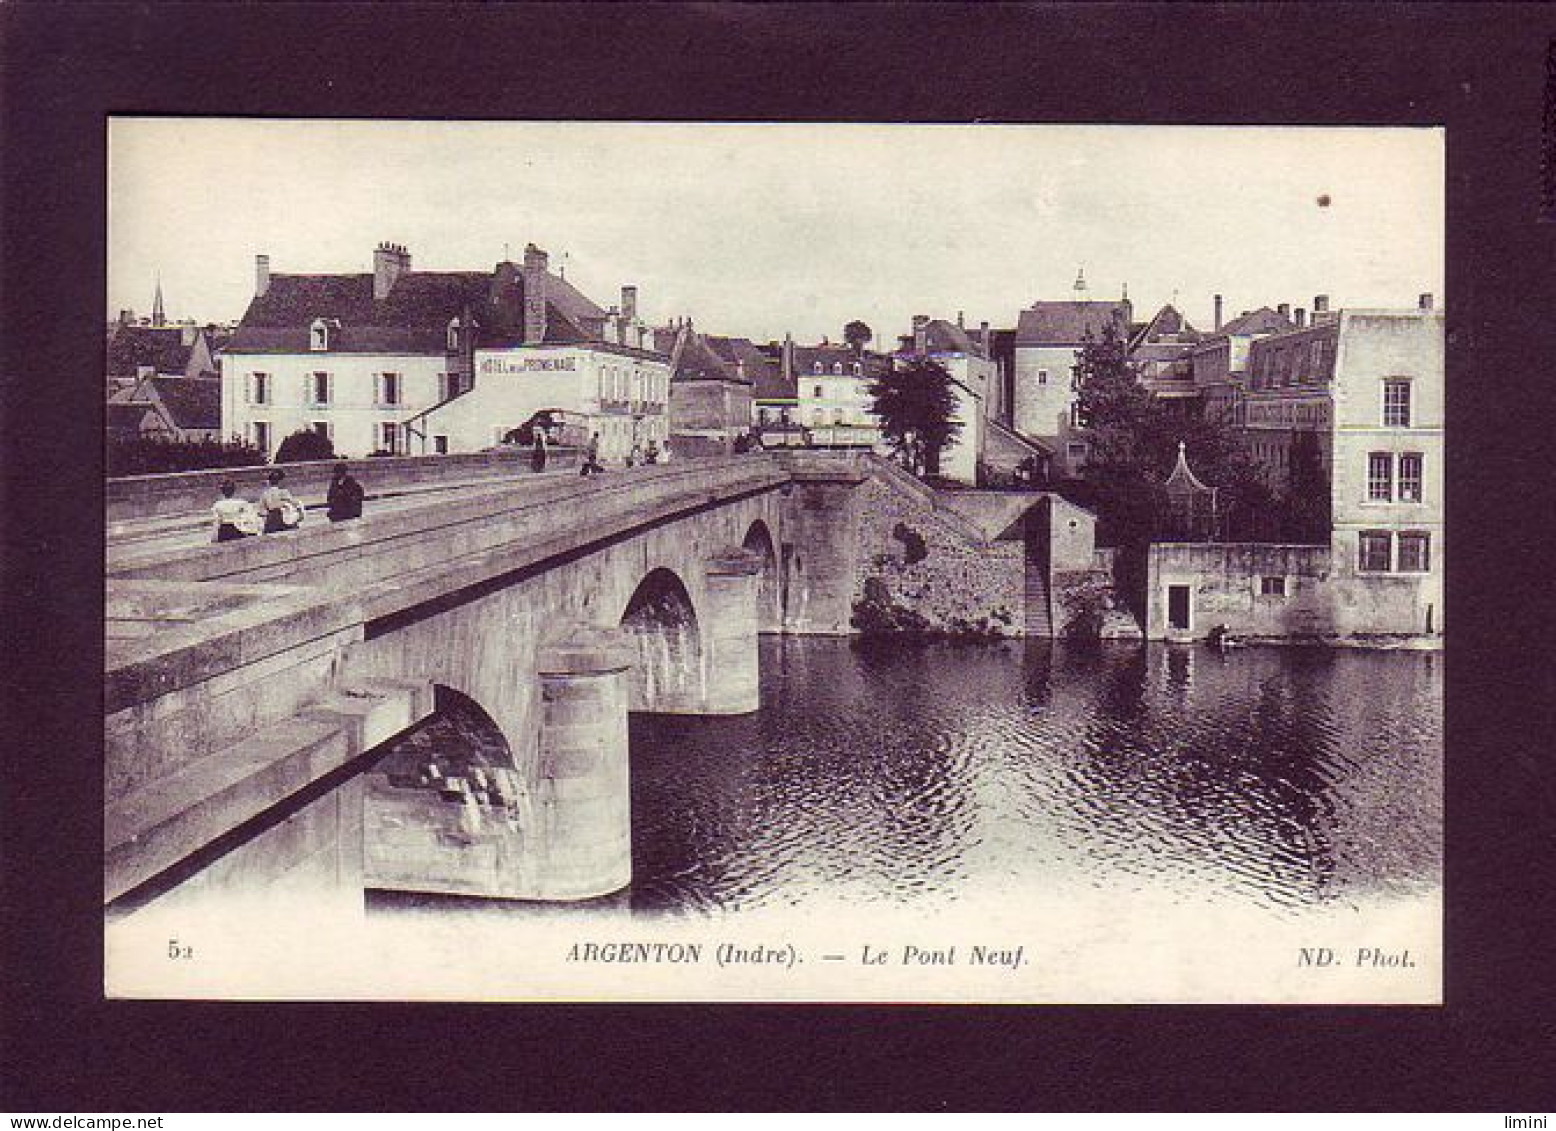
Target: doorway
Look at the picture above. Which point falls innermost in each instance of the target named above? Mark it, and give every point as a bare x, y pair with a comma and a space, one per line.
1178, 607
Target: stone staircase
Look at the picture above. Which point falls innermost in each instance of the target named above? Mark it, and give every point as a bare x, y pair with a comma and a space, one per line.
1037, 608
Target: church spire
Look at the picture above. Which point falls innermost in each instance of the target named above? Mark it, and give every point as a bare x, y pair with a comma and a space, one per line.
158, 317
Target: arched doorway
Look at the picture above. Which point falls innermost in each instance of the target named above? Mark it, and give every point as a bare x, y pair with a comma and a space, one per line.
661, 623
769, 608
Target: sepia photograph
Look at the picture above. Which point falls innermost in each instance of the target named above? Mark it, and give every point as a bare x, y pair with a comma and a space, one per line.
565, 561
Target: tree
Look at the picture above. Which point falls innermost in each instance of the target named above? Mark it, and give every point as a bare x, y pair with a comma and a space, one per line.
857, 335
305, 444
915, 403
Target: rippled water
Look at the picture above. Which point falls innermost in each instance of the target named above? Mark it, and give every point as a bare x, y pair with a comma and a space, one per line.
934, 774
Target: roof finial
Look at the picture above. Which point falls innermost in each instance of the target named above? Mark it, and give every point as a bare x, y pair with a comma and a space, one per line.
158, 318
507, 256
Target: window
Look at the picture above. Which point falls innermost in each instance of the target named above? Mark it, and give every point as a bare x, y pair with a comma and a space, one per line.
389, 432
318, 388
817, 392
1410, 478
1374, 551
453, 335
259, 388
1272, 586
818, 417
858, 370
1042, 376
1414, 552
815, 367
1077, 452
837, 368
389, 389
1396, 404
1316, 361
259, 435
440, 445
1380, 477
319, 335
324, 428
1075, 415
838, 416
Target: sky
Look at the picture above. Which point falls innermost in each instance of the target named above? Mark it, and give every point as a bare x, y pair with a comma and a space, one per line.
756, 230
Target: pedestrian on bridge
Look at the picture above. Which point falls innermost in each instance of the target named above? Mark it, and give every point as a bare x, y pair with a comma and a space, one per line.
345, 495
279, 506
537, 460
591, 458
235, 517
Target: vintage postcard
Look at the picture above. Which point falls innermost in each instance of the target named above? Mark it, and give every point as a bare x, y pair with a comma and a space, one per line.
591, 561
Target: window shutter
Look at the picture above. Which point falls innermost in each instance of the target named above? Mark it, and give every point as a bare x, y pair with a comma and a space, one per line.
248, 388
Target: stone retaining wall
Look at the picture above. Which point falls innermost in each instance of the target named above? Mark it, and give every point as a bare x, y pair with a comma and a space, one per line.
922, 568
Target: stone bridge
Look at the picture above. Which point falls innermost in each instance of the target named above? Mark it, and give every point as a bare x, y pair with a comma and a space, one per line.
251, 687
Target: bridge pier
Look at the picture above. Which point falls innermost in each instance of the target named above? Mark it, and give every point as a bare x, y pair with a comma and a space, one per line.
733, 685
582, 843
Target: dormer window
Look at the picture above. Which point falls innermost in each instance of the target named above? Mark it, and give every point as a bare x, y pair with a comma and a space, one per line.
319, 334
453, 335
815, 367
858, 370
837, 368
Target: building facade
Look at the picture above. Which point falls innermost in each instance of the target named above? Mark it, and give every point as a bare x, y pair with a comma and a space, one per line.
833, 399
1369, 386
417, 362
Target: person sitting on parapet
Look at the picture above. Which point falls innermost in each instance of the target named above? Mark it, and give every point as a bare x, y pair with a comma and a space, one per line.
235, 517
651, 453
280, 507
591, 458
345, 495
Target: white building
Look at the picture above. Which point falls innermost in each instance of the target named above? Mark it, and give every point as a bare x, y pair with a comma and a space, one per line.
429, 362
1049, 338
832, 394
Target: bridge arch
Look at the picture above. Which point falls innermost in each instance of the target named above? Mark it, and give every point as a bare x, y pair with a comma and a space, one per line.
459, 737
769, 598
661, 623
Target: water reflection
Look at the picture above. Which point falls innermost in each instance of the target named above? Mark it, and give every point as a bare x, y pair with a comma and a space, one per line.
1280, 777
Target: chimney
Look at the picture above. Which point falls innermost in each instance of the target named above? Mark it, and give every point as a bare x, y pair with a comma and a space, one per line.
1320, 305
1218, 312
629, 303
920, 332
1425, 301
983, 336
1301, 317
261, 275
961, 323
786, 362
535, 262
390, 261
1284, 310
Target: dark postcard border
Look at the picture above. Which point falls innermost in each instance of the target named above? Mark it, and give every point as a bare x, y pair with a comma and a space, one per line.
1478, 69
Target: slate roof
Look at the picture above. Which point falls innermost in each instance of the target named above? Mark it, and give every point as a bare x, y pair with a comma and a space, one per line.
761, 368
805, 358
1067, 323
191, 402
123, 418
413, 317
1261, 321
941, 336
697, 361
160, 347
